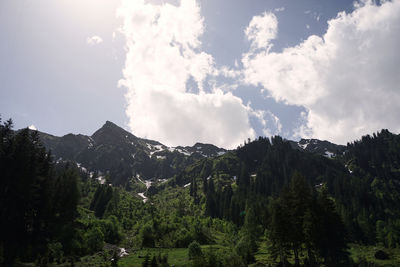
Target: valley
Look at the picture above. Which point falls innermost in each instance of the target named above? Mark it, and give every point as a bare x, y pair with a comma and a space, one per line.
270, 201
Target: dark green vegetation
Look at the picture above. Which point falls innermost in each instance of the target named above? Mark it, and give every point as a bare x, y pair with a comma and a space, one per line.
267, 202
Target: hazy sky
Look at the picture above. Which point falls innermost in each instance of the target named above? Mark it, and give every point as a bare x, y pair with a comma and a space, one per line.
215, 71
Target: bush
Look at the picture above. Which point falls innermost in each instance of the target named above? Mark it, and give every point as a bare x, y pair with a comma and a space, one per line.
244, 249
56, 252
147, 236
182, 238
111, 229
195, 250
381, 255
94, 240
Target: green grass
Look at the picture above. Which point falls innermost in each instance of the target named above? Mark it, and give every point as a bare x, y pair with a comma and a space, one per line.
367, 254
176, 256
179, 256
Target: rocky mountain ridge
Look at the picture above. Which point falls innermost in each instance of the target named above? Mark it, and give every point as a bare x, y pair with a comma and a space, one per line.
120, 154
117, 152
324, 148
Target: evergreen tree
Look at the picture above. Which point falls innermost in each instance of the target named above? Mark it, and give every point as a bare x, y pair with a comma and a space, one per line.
25, 194
243, 180
332, 240
279, 231
211, 205
298, 201
153, 262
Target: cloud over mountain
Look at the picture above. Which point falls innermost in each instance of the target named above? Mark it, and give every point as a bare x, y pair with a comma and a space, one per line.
348, 79
163, 53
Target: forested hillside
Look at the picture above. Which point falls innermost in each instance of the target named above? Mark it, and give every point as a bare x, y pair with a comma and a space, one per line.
268, 202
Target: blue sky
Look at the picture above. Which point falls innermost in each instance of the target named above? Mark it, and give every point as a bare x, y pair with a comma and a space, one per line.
208, 71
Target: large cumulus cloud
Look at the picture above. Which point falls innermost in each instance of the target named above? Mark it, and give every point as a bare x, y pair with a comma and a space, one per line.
163, 54
348, 80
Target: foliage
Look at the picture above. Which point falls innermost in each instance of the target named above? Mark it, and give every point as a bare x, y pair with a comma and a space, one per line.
263, 203
37, 204
194, 250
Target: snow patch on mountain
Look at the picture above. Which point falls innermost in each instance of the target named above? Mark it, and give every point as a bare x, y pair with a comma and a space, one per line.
101, 179
143, 196
303, 146
329, 154
183, 151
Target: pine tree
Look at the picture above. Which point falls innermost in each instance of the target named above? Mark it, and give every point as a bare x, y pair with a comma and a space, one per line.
298, 201
211, 206
243, 180
332, 240
25, 194
153, 262
279, 229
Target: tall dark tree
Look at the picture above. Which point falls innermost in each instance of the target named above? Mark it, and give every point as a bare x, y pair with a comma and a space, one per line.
31, 193
332, 240
279, 231
100, 200
211, 205
243, 180
25, 195
298, 202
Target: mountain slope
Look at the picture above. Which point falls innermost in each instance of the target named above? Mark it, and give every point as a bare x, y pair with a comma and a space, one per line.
120, 154
364, 181
324, 148
265, 193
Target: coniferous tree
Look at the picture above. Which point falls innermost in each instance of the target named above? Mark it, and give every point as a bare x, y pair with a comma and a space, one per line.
332, 240
226, 202
279, 229
153, 262
211, 205
25, 196
243, 180
298, 203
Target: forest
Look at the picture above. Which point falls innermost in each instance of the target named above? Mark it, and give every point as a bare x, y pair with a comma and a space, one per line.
262, 204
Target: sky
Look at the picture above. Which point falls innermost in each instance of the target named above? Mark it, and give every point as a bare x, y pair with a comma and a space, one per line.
187, 71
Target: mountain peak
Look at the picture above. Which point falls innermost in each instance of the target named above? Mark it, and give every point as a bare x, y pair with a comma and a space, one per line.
110, 124
321, 147
111, 131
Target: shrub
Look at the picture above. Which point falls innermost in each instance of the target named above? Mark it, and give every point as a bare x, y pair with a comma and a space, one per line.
194, 250
381, 255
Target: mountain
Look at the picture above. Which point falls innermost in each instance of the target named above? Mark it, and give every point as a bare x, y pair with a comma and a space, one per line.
324, 148
269, 195
118, 153
363, 178
206, 150
114, 151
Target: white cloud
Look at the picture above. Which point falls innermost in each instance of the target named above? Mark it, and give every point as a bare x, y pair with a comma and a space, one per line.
270, 123
163, 52
261, 30
32, 127
348, 79
279, 9
94, 40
